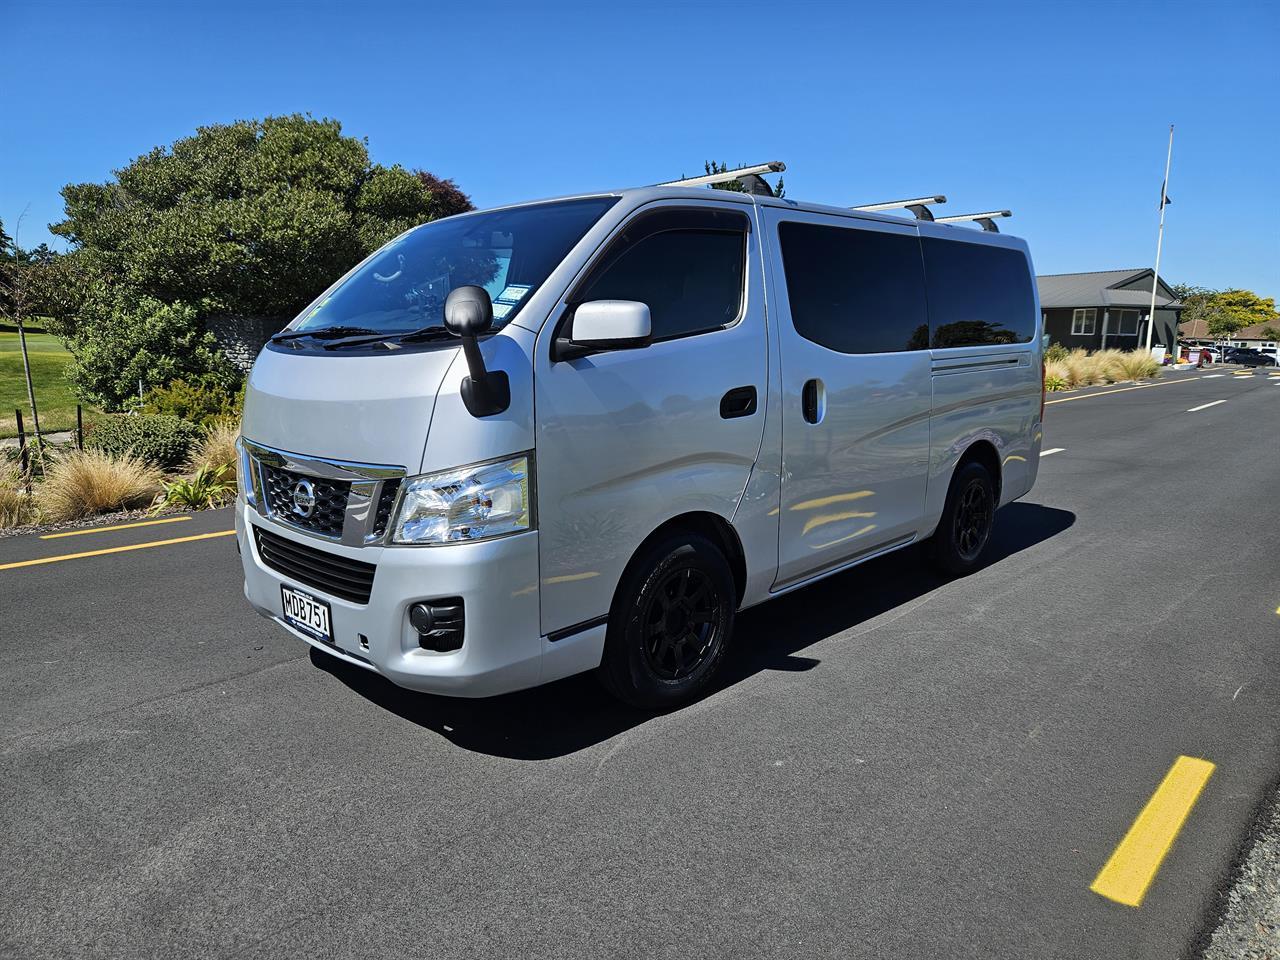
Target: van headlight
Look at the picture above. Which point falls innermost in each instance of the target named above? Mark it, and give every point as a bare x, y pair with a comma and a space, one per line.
244, 474
470, 503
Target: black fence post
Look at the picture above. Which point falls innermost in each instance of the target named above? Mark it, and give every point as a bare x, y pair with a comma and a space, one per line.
23, 457
79, 427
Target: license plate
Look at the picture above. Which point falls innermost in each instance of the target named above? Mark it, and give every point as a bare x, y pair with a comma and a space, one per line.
306, 613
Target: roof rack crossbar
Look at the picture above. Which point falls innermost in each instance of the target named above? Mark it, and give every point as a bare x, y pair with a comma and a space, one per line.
985, 220
725, 176
919, 206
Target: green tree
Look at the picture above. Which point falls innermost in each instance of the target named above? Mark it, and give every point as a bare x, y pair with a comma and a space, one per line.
252, 218
1226, 311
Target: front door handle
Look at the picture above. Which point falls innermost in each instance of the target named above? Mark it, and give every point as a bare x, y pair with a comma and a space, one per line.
738, 402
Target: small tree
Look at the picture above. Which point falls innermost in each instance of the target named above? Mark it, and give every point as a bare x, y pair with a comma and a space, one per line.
15, 304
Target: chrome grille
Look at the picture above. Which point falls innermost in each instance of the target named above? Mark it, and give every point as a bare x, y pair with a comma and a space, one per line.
386, 500
330, 495
353, 501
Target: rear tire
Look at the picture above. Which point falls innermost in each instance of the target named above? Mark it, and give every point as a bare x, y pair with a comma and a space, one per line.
967, 520
670, 624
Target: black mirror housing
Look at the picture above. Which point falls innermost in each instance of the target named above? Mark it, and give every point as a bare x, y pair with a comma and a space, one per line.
468, 313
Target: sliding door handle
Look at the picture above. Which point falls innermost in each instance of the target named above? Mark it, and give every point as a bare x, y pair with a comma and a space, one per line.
813, 400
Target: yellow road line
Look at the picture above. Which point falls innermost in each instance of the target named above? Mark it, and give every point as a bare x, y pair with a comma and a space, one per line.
1141, 386
1133, 865
99, 553
119, 526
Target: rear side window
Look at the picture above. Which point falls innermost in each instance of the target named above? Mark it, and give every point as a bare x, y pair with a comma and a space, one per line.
687, 265
978, 294
855, 291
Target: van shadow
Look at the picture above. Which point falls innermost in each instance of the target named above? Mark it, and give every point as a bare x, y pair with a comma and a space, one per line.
570, 715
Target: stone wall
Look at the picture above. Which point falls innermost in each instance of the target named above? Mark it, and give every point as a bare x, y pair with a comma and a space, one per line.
241, 338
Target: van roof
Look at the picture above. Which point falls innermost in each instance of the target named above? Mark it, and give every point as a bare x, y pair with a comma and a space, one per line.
640, 195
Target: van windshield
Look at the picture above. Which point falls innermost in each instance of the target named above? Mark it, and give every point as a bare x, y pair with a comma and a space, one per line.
508, 252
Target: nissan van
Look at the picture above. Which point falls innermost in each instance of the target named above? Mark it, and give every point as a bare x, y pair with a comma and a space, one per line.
583, 434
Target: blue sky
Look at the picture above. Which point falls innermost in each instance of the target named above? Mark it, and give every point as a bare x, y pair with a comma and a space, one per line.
1059, 111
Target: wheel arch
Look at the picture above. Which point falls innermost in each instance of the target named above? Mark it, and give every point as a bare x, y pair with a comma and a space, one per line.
984, 453
710, 526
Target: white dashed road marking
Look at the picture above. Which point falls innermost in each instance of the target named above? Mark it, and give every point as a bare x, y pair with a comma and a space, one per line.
1206, 406
1045, 453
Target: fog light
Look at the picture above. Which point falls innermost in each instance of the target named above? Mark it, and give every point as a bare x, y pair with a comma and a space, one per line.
421, 617
439, 624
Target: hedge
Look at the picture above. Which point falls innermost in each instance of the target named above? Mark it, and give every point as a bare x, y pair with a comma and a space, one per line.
162, 439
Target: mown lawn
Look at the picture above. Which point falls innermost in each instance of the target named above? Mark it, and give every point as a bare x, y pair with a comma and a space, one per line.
53, 393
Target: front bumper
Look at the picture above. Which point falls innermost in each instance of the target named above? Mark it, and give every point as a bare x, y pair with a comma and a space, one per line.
502, 647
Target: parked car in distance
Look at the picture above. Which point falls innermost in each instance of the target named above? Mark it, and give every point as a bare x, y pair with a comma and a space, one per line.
1248, 357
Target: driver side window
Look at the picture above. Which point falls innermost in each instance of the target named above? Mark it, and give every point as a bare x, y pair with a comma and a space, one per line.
687, 265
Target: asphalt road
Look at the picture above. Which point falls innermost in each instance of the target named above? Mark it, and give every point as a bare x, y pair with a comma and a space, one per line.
894, 766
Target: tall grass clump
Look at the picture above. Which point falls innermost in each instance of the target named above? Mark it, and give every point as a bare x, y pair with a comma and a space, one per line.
1082, 369
16, 508
1137, 365
217, 448
80, 483
1056, 376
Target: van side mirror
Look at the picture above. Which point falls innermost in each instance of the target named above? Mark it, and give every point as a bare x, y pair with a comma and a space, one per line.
605, 325
468, 313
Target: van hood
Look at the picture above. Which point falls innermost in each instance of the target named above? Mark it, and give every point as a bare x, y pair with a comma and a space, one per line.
364, 409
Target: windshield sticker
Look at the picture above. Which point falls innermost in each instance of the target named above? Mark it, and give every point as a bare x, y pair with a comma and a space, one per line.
500, 309
513, 293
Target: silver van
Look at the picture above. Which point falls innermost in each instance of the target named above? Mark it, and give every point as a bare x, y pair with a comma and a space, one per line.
582, 434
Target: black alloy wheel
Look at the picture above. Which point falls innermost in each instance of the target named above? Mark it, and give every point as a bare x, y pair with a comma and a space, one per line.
972, 524
967, 521
678, 623
670, 624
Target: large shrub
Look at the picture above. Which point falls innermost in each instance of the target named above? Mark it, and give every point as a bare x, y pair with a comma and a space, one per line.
252, 218
203, 402
156, 438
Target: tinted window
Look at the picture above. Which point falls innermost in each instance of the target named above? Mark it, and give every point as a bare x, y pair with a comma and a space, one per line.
856, 291
687, 265
978, 294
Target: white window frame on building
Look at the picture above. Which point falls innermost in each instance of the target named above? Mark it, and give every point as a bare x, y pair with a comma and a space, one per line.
1082, 317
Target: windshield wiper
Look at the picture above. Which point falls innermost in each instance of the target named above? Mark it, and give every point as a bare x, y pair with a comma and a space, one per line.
324, 333
434, 332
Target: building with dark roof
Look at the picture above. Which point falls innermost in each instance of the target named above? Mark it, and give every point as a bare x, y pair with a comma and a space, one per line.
1107, 308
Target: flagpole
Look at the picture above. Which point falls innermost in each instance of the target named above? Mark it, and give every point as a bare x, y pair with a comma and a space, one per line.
1155, 280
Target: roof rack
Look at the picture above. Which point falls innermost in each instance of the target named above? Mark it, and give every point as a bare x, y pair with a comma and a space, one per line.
918, 206
985, 220
749, 177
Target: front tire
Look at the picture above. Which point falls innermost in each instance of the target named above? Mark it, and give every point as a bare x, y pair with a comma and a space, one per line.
967, 520
670, 623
